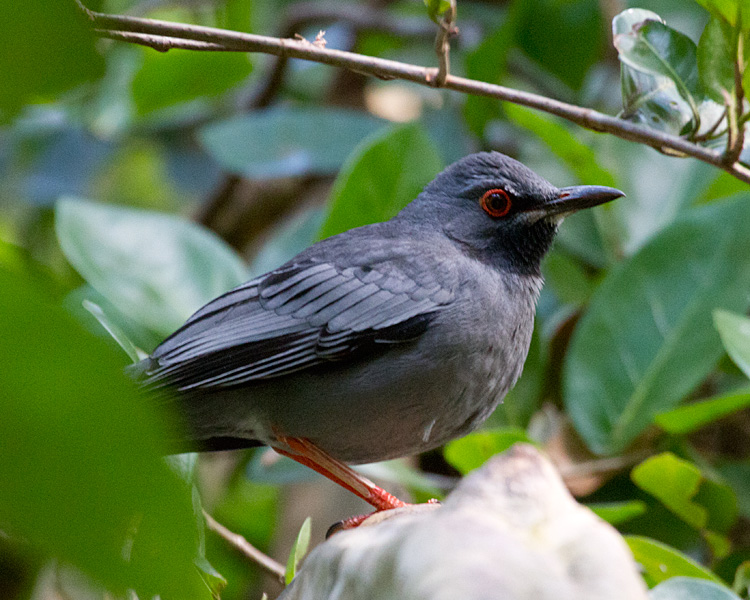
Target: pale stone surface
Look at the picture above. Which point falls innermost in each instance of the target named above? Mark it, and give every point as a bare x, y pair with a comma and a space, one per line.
509, 531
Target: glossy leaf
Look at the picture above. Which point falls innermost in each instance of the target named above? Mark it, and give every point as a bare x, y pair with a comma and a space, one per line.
48, 48
660, 562
437, 8
682, 488
647, 339
690, 588
675, 482
157, 269
654, 101
178, 76
727, 10
114, 330
475, 449
734, 330
88, 486
650, 46
686, 419
654, 90
387, 172
282, 142
299, 549
737, 475
566, 277
619, 512
564, 38
488, 62
717, 52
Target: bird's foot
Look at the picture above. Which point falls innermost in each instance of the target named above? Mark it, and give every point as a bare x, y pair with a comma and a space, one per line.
380, 515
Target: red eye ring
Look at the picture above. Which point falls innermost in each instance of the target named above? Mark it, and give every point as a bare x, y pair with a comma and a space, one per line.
496, 203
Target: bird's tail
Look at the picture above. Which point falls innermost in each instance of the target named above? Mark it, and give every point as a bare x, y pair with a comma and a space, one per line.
187, 443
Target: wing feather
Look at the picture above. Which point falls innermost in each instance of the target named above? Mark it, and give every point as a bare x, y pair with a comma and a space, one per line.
303, 314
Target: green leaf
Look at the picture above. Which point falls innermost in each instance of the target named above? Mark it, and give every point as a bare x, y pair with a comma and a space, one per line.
654, 101
660, 562
689, 588
717, 52
727, 10
488, 62
579, 157
178, 76
656, 93
679, 485
157, 269
647, 339
737, 475
213, 580
83, 478
564, 38
114, 330
734, 330
286, 142
650, 46
386, 172
299, 549
473, 450
675, 482
75, 302
686, 419
618, 512
566, 277
48, 47
437, 8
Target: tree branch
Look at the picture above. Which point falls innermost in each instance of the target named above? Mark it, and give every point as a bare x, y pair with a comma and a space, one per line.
390, 69
246, 548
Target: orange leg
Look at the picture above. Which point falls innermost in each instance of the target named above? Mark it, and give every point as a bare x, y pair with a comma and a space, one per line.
308, 454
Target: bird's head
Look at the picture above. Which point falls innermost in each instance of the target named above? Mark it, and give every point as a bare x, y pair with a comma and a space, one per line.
501, 210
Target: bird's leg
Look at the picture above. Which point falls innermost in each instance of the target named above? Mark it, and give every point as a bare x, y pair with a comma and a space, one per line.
305, 452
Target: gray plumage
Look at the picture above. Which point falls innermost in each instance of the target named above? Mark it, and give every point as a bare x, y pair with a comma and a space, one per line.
385, 340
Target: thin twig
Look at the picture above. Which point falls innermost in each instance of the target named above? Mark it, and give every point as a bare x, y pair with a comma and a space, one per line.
246, 548
446, 30
360, 18
390, 69
600, 466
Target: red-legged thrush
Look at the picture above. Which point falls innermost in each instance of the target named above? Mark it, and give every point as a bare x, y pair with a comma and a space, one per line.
383, 341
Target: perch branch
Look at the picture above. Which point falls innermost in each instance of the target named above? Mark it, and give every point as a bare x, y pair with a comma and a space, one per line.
390, 69
246, 548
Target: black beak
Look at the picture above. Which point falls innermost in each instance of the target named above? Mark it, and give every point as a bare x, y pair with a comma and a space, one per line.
576, 197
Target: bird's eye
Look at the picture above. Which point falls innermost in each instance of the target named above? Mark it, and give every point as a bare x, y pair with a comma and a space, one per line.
496, 203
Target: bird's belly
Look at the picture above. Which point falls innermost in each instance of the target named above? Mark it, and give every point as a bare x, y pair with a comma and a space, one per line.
391, 407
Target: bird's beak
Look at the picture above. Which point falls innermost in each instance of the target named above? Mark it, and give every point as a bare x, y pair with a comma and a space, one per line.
576, 197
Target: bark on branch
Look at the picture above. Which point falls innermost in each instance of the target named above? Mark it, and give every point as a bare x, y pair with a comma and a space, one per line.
164, 35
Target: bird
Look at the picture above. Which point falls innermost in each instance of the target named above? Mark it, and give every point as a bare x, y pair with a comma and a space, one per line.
383, 341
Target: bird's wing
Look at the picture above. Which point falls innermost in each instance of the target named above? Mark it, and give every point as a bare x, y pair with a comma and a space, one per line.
300, 315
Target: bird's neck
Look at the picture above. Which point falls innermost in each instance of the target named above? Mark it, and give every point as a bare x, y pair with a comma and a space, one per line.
518, 251
522, 250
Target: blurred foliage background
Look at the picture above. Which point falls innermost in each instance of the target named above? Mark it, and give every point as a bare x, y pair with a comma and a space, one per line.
137, 185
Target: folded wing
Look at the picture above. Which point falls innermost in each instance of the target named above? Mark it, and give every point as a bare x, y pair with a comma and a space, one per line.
303, 314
